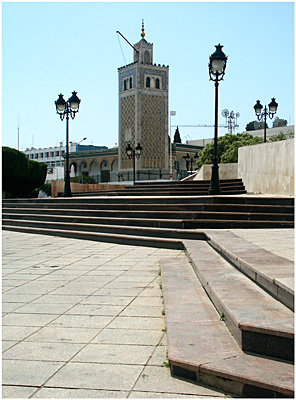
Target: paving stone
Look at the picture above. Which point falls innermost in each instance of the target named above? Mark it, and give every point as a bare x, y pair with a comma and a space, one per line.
129, 336
96, 376
42, 351
17, 392
137, 322
115, 354
82, 321
17, 332
57, 393
27, 319
51, 334
27, 373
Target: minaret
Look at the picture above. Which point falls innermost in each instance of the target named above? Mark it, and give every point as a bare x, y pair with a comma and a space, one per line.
143, 111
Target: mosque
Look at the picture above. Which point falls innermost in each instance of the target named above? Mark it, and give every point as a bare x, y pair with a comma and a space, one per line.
143, 90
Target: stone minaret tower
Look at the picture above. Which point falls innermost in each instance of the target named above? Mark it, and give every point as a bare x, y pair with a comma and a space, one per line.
143, 111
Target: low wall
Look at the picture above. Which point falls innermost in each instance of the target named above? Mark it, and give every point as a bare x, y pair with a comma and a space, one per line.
268, 167
58, 187
226, 171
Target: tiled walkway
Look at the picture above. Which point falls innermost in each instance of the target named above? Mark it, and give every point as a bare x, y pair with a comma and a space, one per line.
85, 319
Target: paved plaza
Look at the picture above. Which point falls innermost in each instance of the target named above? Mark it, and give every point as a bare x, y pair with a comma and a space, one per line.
85, 319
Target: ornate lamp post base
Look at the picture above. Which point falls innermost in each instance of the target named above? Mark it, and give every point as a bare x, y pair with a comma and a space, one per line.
215, 183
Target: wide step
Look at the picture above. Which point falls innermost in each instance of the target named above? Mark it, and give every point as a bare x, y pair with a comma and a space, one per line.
201, 348
258, 322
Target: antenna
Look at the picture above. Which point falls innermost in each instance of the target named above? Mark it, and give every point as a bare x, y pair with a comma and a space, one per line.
18, 132
121, 50
127, 41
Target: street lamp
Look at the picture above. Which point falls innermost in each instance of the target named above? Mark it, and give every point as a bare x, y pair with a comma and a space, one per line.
217, 66
272, 109
191, 159
172, 113
133, 154
66, 109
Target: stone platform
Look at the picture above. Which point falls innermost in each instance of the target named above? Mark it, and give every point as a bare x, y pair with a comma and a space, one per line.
79, 316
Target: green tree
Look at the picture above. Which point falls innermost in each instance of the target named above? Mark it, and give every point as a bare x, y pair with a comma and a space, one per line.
277, 138
254, 125
177, 137
277, 122
228, 146
19, 175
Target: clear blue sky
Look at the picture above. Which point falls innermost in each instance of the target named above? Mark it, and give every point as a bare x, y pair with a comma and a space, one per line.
49, 48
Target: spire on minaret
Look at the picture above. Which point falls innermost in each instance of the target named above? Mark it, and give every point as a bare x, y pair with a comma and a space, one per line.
143, 33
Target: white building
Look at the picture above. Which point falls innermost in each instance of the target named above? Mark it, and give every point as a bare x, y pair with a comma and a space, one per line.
53, 157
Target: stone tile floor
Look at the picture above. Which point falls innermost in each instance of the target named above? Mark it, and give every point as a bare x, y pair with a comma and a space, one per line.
85, 319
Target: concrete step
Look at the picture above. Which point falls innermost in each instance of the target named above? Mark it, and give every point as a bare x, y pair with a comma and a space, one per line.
154, 193
127, 219
104, 228
125, 213
201, 348
102, 237
270, 271
225, 208
217, 199
259, 323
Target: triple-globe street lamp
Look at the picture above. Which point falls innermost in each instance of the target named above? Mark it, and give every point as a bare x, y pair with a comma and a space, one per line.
133, 154
217, 66
272, 109
67, 109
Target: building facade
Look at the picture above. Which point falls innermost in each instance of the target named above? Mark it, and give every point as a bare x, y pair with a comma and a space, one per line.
143, 89
143, 111
54, 157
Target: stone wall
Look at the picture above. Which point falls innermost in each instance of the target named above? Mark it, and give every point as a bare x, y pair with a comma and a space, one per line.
58, 187
226, 171
268, 167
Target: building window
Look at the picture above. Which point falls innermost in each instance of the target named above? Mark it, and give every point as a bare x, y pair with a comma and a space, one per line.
41, 155
157, 83
31, 156
47, 154
57, 153
148, 82
124, 85
146, 57
36, 155
52, 154
130, 83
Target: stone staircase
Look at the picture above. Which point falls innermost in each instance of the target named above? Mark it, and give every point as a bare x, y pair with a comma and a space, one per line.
229, 315
171, 188
165, 219
233, 327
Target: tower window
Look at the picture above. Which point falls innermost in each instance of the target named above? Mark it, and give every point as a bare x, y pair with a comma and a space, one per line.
157, 83
124, 85
148, 82
130, 83
146, 57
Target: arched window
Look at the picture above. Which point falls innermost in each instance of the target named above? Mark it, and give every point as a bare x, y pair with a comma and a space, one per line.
157, 83
124, 85
130, 83
148, 82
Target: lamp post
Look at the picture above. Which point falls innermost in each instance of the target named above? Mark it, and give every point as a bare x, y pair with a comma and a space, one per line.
272, 109
172, 113
217, 66
191, 159
66, 109
134, 153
